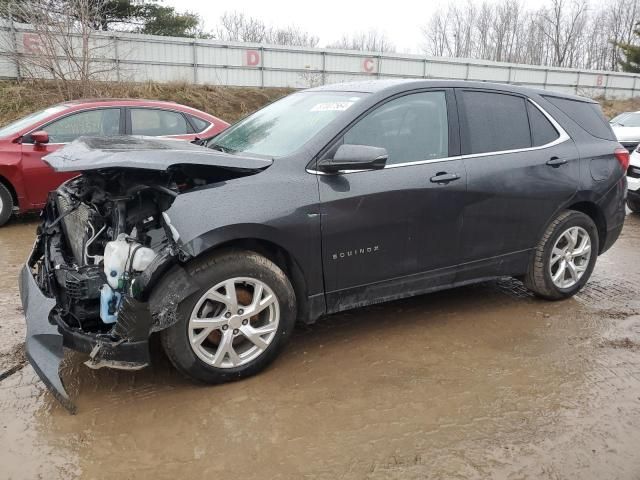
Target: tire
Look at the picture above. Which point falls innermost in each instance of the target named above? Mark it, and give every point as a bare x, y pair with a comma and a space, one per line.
211, 360
634, 205
6, 204
546, 259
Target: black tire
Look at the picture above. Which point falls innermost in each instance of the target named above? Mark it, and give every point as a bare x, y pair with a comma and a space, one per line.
538, 278
634, 205
209, 272
6, 204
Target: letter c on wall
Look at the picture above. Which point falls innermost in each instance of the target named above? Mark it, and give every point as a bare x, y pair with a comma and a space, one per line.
368, 65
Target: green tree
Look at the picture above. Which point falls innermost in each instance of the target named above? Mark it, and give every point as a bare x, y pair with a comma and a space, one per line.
142, 16
631, 52
161, 20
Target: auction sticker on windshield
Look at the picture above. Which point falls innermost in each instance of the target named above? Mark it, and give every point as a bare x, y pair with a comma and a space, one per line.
331, 106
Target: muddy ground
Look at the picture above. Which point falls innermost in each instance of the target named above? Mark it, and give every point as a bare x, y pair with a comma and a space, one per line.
477, 382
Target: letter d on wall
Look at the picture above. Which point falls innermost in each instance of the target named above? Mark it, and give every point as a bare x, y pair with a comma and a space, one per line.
252, 58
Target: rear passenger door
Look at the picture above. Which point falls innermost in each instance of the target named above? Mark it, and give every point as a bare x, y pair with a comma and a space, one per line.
155, 122
521, 167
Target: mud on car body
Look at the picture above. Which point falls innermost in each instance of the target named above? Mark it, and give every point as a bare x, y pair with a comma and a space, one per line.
329, 199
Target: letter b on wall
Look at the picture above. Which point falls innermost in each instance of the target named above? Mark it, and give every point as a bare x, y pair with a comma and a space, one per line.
252, 58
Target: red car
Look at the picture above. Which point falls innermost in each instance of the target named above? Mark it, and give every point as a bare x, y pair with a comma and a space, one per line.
25, 179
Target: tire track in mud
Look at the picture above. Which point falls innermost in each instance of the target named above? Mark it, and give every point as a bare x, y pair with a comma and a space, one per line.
16, 358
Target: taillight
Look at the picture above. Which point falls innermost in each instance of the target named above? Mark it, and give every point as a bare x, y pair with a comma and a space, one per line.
622, 154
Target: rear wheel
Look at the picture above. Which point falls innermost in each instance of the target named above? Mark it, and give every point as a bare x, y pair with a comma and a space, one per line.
6, 204
634, 205
237, 323
564, 258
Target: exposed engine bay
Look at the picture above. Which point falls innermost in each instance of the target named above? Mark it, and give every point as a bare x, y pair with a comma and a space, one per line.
108, 268
108, 228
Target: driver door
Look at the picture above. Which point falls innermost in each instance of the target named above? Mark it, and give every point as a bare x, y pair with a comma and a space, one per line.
390, 233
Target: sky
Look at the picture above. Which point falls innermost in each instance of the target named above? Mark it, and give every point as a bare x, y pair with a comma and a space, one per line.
400, 20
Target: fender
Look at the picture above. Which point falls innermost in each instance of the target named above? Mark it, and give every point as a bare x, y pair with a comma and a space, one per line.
245, 231
12, 174
311, 276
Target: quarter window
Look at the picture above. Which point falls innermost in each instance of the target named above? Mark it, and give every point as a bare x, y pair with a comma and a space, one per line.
494, 122
411, 128
199, 124
586, 114
542, 131
151, 122
101, 122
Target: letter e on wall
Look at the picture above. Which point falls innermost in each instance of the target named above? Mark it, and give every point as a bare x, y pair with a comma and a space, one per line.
32, 44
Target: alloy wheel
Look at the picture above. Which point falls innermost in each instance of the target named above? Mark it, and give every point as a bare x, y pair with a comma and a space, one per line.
234, 322
570, 257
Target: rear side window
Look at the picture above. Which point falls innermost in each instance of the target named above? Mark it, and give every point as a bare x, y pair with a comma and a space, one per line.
586, 114
494, 122
147, 121
542, 131
199, 124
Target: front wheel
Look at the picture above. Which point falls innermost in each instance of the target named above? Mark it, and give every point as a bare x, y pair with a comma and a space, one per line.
564, 258
237, 323
6, 204
634, 205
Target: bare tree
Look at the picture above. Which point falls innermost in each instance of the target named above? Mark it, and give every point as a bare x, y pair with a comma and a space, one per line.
62, 44
563, 24
238, 27
568, 33
291, 36
371, 41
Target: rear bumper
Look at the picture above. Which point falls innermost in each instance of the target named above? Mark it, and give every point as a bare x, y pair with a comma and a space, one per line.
47, 334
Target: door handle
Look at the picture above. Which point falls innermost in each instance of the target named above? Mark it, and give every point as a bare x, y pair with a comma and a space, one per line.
555, 162
444, 177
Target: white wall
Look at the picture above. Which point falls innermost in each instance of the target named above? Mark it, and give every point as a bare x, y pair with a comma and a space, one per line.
139, 58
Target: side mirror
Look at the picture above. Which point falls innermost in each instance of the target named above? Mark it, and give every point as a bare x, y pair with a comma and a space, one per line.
355, 157
40, 136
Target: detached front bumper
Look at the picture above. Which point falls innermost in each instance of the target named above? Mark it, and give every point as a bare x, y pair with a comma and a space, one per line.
47, 334
44, 342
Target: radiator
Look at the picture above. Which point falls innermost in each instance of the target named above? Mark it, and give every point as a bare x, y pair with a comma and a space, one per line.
74, 226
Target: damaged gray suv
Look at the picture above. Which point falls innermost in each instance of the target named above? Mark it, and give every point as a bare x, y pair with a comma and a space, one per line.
329, 199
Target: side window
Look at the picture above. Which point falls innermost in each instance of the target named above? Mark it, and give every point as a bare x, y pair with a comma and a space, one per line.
152, 122
586, 114
494, 122
542, 131
411, 128
200, 124
102, 122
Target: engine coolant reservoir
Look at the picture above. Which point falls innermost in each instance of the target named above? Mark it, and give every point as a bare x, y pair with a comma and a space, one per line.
121, 255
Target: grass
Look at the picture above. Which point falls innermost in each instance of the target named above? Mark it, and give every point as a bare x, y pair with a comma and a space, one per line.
611, 108
227, 103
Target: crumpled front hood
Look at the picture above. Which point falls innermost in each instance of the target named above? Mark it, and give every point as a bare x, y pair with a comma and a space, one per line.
149, 153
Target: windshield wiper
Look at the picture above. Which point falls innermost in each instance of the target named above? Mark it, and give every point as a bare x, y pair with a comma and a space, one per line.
220, 148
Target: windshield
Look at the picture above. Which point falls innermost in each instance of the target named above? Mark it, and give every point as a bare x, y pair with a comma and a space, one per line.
286, 125
24, 122
627, 120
